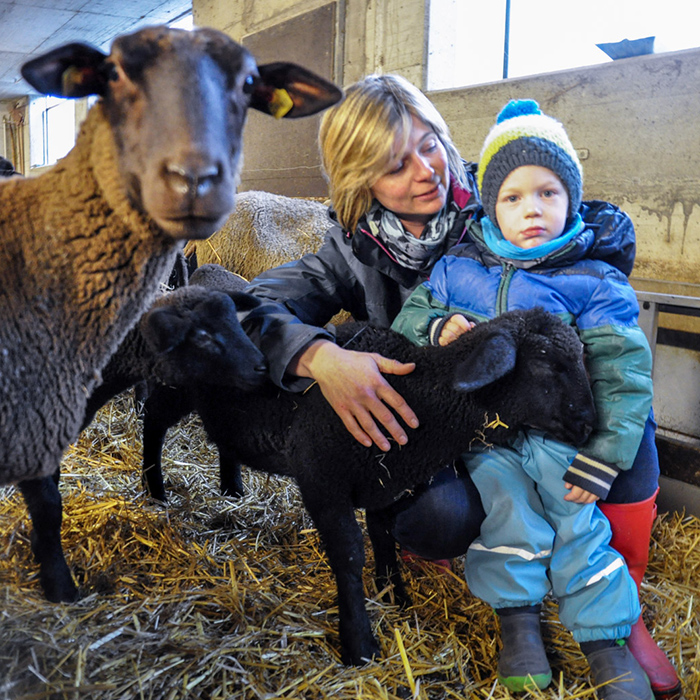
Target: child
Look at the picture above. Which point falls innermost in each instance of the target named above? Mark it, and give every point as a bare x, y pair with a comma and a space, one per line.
543, 530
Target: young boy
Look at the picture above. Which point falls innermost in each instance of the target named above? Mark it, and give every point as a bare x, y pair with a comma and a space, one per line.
543, 531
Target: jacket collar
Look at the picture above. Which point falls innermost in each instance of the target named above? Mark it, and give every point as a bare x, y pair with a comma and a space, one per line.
608, 235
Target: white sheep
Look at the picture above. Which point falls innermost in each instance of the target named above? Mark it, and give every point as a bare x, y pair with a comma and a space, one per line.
524, 368
86, 245
263, 231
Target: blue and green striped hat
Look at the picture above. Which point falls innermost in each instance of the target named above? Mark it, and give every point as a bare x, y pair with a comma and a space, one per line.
523, 135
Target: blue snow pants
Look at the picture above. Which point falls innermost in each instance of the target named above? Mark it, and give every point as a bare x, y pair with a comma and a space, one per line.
441, 518
532, 541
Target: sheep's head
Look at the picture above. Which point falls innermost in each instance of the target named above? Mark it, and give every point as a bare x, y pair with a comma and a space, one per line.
197, 339
532, 363
177, 103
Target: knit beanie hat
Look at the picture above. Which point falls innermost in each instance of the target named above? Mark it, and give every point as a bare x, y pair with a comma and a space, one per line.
523, 135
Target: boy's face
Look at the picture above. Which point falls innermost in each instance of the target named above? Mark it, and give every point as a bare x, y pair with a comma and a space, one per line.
532, 206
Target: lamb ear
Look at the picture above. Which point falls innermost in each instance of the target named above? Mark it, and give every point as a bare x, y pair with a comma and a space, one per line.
215, 305
290, 91
164, 329
493, 359
72, 70
244, 302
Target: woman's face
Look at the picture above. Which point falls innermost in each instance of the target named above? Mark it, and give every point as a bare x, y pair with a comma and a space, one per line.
415, 188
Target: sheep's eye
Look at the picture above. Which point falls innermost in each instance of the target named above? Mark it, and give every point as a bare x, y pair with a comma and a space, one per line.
203, 340
543, 352
109, 71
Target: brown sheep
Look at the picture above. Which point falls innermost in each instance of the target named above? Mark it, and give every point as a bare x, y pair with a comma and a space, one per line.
86, 245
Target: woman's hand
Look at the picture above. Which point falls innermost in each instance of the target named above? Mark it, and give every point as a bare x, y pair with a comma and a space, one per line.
455, 326
578, 495
353, 385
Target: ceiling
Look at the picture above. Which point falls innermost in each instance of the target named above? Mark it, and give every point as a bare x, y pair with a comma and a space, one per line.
28, 28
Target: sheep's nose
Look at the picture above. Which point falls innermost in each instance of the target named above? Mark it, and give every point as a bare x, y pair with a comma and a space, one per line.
194, 181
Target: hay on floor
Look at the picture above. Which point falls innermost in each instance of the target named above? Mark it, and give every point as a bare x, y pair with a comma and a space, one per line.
214, 597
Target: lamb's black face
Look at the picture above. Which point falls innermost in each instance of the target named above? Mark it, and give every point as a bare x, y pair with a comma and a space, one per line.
560, 396
202, 343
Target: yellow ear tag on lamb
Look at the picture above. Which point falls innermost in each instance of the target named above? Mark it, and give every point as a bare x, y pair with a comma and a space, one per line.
281, 103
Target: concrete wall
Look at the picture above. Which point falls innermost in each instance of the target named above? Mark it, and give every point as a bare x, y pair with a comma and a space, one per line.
373, 35
635, 123
634, 120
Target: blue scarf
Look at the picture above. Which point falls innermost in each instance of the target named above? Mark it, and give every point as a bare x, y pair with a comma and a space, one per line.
505, 249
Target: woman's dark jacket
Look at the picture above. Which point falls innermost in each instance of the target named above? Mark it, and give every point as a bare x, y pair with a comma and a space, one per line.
350, 272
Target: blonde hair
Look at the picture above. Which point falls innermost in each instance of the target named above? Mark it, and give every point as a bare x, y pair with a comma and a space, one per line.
358, 140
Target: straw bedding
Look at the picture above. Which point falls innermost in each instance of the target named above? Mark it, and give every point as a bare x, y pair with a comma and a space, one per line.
212, 597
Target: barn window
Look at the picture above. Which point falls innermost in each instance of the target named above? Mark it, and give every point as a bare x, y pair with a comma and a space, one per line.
51, 129
472, 42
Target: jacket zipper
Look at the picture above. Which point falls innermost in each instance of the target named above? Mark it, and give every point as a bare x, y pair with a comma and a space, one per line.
503, 288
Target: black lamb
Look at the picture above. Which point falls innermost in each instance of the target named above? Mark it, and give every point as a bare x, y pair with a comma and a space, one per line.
131, 363
522, 369
210, 318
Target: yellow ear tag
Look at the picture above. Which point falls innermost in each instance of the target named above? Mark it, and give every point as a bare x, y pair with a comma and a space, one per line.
281, 103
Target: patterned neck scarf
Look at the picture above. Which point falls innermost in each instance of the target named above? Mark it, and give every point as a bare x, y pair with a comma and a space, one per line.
411, 252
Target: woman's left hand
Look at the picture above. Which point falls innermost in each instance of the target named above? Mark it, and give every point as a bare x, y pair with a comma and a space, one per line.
353, 384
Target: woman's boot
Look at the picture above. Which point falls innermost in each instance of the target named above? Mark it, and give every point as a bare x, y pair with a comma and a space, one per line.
631, 525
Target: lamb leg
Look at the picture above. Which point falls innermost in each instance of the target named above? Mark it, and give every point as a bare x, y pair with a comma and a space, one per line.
230, 473
163, 408
342, 538
385, 562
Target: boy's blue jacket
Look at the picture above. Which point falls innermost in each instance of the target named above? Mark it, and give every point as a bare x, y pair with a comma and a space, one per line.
585, 283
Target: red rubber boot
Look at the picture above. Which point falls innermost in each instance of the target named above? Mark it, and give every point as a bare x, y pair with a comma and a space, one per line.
631, 525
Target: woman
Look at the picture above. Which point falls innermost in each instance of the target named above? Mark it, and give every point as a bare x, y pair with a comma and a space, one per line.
401, 198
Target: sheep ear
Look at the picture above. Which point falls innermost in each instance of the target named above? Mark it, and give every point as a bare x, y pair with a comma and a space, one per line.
493, 359
290, 91
244, 302
72, 70
164, 329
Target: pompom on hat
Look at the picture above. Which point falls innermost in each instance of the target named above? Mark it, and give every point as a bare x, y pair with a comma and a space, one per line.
523, 135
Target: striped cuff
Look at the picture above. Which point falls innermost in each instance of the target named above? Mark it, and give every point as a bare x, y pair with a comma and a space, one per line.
435, 328
591, 474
